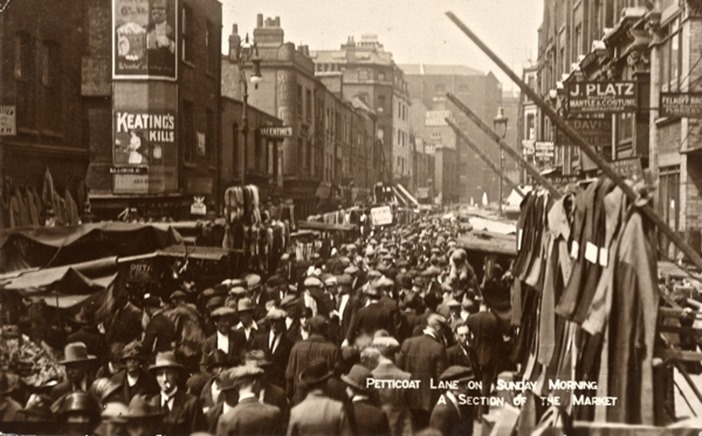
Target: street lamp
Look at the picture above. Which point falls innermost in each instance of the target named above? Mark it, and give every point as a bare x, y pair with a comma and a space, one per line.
246, 52
500, 127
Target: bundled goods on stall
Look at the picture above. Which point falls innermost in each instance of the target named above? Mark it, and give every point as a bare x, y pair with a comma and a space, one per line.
586, 301
35, 365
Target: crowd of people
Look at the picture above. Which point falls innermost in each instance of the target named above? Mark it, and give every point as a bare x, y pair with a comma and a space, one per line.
355, 343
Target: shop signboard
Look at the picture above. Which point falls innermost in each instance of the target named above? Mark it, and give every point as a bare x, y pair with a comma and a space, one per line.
198, 207
144, 153
528, 147
423, 192
144, 39
436, 118
628, 167
381, 216
544, 150
597, 132
8, 120
681, 104
277, 131
601, 97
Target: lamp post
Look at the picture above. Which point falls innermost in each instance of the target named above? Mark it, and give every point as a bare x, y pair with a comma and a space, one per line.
500, 127
246, 52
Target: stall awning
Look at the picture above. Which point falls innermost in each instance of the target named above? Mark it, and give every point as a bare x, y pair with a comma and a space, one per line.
488, 242
313, 225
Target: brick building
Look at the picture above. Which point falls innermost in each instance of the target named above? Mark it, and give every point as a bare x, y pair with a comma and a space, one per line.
40, 107
167, 91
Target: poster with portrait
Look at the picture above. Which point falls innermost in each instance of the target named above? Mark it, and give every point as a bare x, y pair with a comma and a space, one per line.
144, 152
145, 44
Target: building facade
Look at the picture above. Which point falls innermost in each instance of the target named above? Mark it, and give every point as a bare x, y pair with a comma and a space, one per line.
151, 94
479, 91
41, 134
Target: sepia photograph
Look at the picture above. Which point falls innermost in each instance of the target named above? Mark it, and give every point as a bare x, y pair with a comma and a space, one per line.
351, 217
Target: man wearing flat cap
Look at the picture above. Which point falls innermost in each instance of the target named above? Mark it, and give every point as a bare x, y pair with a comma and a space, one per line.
276, 346
315, 346
424, 357
245, 309
394, 402
450, 416
345, 303
232, 342
375, 315
249, 416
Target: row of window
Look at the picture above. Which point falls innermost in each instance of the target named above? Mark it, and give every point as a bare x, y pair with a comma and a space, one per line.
189, 37
195, 146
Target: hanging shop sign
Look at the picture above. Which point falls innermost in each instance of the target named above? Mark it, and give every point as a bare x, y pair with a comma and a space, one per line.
528, 147
144, 39
144, 153
8, 120
595, 131
628, 167
681, 104
601, 97
198, 207
277, 131
544, 150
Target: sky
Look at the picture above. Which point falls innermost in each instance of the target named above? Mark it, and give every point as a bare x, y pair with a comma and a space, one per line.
414, 31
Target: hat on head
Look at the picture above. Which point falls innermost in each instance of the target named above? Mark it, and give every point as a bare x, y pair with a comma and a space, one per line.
244, 305
81, 402
256, 358
374, 274
76, 352
165, 359
221, 312
237, 291
313, 282
435, 321
151, 300
114, 411
238, 282
38, 406
274, 281
357, 377
275, 314
432, 271
385, 342
330, 281
457, 373
317, 323
351, 270
217, 358
384, 283
292, 288
103, 387
405, 280
177, 295
237, 376
288, 300
344, 280
133, 350
344, 261
253, 281
141, 408
316, 372
214, 303
372, 289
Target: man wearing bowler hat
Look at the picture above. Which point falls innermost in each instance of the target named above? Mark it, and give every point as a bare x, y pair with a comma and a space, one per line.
134, 379
315, 346
365, 417
80, 368
144, 417
232, 342
249, 416
318, 414
450, 416
183, 412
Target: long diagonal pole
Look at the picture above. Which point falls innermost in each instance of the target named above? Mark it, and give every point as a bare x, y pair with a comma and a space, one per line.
582, 144
503, 145
484, 157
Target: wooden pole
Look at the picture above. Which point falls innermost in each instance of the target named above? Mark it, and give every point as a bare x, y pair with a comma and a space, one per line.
503, 145
576, 139
484, 157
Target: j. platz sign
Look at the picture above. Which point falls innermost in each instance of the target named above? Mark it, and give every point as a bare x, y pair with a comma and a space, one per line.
601, 97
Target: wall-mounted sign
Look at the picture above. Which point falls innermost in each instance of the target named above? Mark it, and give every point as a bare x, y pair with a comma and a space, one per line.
277, 132
198, 207
681, 104
627, 167
528, 147
144, 143
144, 39
8, 120
601, 97
436, 118
595, 131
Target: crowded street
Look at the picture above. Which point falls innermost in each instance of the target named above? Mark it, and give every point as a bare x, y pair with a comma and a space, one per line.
378, 217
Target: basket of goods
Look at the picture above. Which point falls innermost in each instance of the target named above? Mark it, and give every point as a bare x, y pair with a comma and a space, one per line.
36, 365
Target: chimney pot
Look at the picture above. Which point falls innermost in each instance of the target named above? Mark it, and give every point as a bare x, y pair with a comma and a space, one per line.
235, 29
277, 21
259, 20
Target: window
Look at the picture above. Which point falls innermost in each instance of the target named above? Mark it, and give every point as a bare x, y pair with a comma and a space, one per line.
187, 33
299, 101
24, 74
669, 204
212, 47
308, 104
236, 158
381, 103
671, 59
210, 139
189, 142
578, 41
51, 81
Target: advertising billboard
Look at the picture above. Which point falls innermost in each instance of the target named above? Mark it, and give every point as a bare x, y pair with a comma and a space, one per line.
601, 97
144, 153
144, 39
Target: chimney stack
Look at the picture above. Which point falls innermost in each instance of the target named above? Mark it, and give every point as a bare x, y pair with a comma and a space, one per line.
259, 21
268, 34
234, 41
